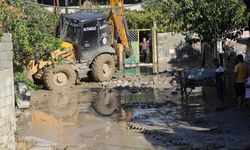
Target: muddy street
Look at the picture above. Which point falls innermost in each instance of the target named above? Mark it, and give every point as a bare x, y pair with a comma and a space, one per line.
125, 75
130, 113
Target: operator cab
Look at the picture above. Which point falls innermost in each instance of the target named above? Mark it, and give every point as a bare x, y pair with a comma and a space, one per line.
86, 31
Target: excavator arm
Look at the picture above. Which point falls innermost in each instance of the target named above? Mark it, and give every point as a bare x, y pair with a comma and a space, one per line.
118, 24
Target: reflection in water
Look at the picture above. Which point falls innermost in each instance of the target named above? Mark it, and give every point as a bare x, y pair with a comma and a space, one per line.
134, 105
112, 103
126, 117
145, 106
65, 117
53, 119
126, 105
106, 102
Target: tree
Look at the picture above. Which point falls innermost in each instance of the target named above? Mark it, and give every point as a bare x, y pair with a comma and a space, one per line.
32, 29
140, 19
210, 19
152, 12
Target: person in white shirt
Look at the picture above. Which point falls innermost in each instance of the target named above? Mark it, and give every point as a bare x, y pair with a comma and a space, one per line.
219, 76
145, 49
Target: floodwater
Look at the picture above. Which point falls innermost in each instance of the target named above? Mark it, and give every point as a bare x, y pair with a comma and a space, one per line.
128, 118
85, 118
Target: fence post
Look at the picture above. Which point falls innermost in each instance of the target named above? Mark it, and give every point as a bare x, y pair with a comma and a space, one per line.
66, 6
154, 42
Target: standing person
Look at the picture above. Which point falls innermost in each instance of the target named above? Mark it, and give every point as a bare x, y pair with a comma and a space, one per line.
219, 76
240, 76
145, 49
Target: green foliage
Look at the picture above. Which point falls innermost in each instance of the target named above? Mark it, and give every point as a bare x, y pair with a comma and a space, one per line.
23, 78
210, 19
139, 19
144, 20
32, 30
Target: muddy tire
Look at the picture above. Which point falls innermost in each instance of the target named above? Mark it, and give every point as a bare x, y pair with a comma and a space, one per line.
103, 68
59, 77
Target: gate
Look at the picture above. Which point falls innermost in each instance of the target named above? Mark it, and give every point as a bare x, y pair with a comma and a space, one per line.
134, 40
135, 37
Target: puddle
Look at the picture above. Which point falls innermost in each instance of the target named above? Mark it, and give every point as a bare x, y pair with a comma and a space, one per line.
144, 107
68, 118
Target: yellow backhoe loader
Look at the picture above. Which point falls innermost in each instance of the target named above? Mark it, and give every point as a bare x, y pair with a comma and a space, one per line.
89, 48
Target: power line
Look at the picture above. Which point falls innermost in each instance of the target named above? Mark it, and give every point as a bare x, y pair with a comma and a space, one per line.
79, 8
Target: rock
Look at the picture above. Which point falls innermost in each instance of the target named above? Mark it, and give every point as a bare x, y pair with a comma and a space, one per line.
137, 85
166, 81
174, 92
22, 104
126, 84
143, 84
119, 82
18, 113
108, 129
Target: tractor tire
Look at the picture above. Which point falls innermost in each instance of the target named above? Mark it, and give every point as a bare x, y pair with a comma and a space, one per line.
103, 68
59, 77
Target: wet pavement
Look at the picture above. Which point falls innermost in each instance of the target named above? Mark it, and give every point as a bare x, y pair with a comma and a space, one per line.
132, 115
90, 118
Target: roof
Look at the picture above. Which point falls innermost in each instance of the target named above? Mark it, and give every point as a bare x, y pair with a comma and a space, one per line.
86, 16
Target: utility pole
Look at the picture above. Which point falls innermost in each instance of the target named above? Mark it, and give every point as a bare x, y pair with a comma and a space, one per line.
66, 5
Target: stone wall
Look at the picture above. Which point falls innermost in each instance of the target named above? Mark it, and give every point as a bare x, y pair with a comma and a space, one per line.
7, 105
174, 51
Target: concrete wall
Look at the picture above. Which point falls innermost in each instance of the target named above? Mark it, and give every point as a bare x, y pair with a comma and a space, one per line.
173, 51
7, 105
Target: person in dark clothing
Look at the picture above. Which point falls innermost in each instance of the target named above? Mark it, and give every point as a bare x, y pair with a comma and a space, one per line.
219, 76
145, 49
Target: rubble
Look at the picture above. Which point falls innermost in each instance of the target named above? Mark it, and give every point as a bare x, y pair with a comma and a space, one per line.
23, 95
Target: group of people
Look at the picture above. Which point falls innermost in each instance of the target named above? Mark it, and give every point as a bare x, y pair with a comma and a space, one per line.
241, 83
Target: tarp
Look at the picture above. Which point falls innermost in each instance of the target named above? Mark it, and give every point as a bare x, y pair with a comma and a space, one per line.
199, 74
